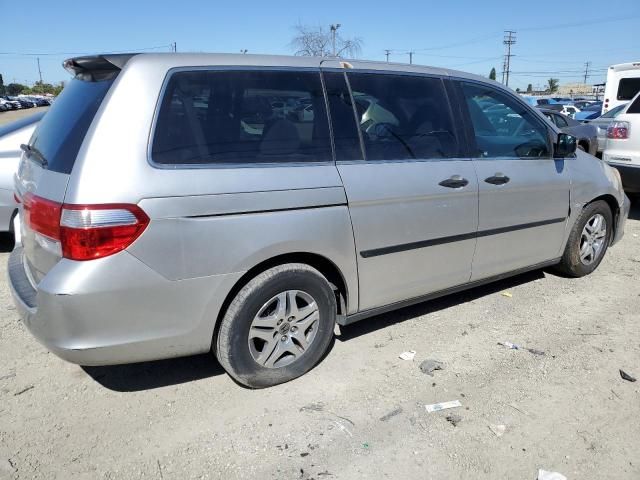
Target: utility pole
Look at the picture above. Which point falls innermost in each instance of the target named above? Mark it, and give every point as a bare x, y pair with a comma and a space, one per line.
586, 71
39, 71
509, 39
411, 57
174, 47
334, 29
387, 53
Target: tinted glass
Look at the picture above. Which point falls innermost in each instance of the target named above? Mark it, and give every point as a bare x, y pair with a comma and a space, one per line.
504, 127
242, 117
614, 111
628, 87
343, 120
18, 124
560, 121
635, 106
60, 133
403, 117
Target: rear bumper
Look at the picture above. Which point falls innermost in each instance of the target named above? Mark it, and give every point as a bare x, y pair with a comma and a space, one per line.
117, 310
630, 175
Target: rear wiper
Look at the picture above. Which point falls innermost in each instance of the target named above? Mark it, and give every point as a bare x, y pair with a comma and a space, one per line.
36, 154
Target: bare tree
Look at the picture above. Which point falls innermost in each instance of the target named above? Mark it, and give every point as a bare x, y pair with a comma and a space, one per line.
317, 41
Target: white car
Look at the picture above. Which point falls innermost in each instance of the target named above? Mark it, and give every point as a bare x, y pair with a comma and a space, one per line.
569, 110
11, 137
622, 149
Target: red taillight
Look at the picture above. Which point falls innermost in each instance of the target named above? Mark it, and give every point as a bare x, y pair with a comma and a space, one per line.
42, 216
84, 232
618, 130
88, 232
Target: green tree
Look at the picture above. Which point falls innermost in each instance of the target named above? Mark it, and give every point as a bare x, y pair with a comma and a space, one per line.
2, 87
492, 74
529, 88
552, 85
15, 88
517, 90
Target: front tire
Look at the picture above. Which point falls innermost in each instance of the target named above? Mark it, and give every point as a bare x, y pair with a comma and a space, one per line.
278, 326
588, 240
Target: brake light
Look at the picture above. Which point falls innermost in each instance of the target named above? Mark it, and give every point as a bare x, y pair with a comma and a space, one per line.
42, 216
84, 232
618, 130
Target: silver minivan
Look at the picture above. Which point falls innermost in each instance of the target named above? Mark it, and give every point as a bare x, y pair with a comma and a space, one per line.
175, 204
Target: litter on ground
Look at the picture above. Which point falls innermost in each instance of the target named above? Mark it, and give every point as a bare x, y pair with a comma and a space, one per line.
436, 407
545, 475
407, 355
626, 376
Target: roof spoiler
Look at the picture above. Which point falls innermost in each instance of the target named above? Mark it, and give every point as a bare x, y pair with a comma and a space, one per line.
97, 67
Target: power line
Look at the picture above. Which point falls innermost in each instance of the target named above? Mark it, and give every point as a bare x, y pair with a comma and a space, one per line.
509, 40
586, 71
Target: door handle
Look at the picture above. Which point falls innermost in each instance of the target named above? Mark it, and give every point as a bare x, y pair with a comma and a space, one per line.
455, 181
497, 179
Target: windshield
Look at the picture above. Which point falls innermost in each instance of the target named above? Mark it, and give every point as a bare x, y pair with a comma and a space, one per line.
59, 135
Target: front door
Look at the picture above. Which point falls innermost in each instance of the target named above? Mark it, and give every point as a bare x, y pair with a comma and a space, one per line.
413, 200
524, 191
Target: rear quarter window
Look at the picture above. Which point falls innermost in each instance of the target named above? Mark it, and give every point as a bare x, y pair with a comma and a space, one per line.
628, 87
242, 117
61, 131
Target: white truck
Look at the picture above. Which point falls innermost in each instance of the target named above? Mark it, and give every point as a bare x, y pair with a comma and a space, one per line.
623, 82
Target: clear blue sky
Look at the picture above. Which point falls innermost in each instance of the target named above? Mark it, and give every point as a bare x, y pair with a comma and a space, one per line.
554, 38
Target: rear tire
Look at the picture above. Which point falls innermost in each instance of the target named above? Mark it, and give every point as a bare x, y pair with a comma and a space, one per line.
278, 327
588, 240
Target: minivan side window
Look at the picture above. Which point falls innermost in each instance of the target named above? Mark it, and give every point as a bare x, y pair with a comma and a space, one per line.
503, 127
403, 116
240, 117
343, 121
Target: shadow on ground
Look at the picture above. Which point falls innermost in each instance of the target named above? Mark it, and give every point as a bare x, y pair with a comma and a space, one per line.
6, 242
135, 377
634, 214
389, 319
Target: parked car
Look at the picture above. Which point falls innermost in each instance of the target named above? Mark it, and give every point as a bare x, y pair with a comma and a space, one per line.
622, 149
4, 106
158, 232
586, 134
570, 110
589, 112
24, 103
12, 136
602, 123
15, 105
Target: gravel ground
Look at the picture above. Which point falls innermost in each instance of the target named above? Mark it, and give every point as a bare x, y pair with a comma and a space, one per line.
360, 413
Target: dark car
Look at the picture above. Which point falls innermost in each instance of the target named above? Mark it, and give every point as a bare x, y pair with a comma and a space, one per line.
586, 134
23, 102
552, 106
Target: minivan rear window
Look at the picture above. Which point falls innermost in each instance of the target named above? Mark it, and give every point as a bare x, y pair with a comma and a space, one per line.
628, 87
242, 117
60, 133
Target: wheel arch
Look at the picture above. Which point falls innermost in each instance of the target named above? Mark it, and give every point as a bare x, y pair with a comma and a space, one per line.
613, 205
321, 263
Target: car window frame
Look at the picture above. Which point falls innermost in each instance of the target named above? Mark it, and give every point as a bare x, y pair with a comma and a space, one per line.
550, 126
459, 132
233, 165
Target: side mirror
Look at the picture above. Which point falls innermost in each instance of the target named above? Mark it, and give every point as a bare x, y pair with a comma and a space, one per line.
565, 146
